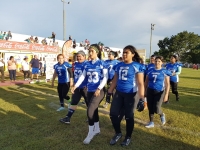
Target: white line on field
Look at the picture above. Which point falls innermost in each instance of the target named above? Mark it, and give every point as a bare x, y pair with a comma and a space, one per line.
104, 111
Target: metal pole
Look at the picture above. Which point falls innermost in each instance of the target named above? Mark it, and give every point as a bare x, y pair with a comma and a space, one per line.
150, 42
64, 22
152, 28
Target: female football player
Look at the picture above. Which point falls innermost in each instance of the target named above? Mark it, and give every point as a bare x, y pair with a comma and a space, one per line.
94, 71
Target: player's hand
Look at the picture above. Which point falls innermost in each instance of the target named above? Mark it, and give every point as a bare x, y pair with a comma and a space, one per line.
165, 99
52, 85
73, 89
109, 91
173, 74
71, 84
97, 93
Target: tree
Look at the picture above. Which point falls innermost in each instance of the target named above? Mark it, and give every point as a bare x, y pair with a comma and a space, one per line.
185, 44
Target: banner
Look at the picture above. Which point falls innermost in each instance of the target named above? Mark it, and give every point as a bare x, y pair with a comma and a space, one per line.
49, 67
66, 49
10, 45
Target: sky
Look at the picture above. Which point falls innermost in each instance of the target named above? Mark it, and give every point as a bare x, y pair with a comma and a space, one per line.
116, 23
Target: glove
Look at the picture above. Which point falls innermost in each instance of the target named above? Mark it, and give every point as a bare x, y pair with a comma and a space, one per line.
140, 105
108, 96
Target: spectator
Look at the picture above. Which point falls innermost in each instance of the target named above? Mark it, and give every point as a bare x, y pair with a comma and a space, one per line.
44, 68
36, 40
53, 37
50, 43
40, 67
4, 36
70, 38
35, 67
55, 44
26, 68
81, 44
1, 35
2, 63
74, 43
28, 40
12, 65
31, 39
9, 35
44, 41
86, 42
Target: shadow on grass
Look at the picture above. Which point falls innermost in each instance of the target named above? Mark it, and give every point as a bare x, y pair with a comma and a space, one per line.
47, 133
44, 87
188, 103
194, 78
34, 125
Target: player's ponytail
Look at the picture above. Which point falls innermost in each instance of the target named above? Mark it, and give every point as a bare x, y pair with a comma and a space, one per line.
176, 57
133, 50
115, 54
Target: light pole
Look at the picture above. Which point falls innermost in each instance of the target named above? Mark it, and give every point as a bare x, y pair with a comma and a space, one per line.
64, 20
152, 28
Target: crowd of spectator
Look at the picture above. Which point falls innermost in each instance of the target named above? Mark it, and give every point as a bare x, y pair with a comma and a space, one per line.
36, 65
43, 41
5, 35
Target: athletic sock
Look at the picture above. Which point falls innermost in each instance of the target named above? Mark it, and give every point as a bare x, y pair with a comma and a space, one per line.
151, 116
70, 113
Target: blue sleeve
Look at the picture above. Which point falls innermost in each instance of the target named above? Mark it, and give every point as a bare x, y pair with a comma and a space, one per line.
168, 73
68, 65
105, 64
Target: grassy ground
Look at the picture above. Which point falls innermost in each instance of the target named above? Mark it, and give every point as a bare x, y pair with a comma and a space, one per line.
29, 121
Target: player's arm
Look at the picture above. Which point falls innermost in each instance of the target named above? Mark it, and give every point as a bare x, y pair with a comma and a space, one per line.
167, 87
179, 70
103, 82
80, 80
140, 83
54, 77
145, 85
70, 76
113, 84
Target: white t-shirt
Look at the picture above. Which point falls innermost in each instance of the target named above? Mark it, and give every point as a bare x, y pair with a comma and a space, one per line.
25, 65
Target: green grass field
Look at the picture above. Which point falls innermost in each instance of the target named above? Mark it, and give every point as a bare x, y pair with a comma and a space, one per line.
29, 121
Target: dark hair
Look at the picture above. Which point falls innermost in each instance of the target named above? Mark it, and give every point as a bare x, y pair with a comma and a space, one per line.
115, 54
11, 57
60, 55
153, 56
141, 61
176, 57
99, 53
133, 50
159, 57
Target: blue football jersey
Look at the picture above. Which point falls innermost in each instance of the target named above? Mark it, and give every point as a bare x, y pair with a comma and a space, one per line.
173, 68
151, 65
62, 72
156, 78
78, 70
111, 71
126, 81
94, 72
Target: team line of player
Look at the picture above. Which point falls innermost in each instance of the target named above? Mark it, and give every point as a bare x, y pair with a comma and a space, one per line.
125, 84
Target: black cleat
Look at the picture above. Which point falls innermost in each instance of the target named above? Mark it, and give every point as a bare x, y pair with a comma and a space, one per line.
167, 102
115, 138
126, 141
65, 120
177, 98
